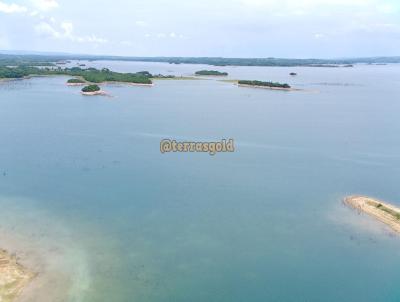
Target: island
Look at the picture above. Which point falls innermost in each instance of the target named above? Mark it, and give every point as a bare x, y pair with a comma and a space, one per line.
211, 73
382, 211
261, 84
13, 277
91, 75
92, 90
75, 82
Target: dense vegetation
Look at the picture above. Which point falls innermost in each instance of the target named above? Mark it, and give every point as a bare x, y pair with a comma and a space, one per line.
42, 60
75, 81
161, 76
24, 60
266, 84
211, 73
10, 73
91, 88
91, 74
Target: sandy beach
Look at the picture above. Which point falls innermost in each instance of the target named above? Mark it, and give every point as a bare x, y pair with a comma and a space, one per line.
124, 83
76, 84
100, 92
382, 211
139, 84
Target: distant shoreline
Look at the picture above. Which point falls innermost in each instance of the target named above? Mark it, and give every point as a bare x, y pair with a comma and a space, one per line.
381, 211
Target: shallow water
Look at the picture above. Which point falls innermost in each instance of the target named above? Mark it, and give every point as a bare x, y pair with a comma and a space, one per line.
262, 224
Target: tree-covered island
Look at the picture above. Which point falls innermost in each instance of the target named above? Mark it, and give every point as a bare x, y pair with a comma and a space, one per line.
92, 75
75, 82
210, 73
92, 90
262, 84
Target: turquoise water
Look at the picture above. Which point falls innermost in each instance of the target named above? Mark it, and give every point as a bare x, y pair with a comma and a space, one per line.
262, 224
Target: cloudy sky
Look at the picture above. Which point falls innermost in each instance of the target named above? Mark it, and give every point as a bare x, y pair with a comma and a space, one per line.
230, 28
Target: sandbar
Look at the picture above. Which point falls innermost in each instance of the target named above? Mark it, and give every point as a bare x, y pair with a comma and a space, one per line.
382, 211
99, 92
268, 87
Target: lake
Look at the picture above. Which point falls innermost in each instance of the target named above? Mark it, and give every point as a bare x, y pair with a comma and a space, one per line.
83, 184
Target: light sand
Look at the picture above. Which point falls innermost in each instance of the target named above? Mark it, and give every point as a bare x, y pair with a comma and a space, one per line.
76, 84
267, 87
100, 92
31, 273
382, 211
13, 277
125, 83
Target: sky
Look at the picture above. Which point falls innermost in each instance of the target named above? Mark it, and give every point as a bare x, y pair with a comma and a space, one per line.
224, 28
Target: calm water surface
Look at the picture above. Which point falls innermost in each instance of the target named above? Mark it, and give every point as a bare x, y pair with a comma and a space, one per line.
262, 224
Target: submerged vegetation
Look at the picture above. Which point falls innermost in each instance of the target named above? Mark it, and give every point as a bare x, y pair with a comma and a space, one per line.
211, 73
264, 84
91, 88
90, 75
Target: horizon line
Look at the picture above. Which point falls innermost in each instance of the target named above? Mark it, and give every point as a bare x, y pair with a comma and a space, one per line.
57, 53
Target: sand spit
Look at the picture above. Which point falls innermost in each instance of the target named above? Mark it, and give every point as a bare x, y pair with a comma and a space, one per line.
268, 87
100, 92
13, 277
382, 211
125, 83
139, 84
76, 84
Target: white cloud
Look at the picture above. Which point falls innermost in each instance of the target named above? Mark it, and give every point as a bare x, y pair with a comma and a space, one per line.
315, 7
45, 5
46, 30
94, 39
126, 43
66, 32
68, 28
12, 8
387, 8
141, 23
171, 35
4, 44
